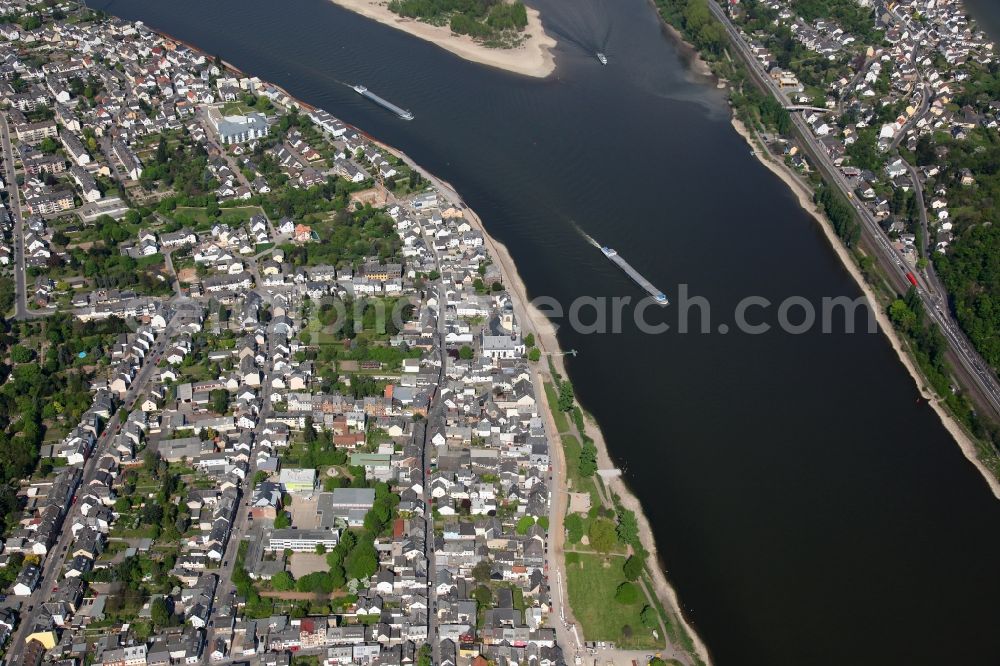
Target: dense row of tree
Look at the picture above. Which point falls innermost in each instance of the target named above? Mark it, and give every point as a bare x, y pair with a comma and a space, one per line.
971, 268
43, 382
183, 169
482, 19
352, 237
693, 18
840, 213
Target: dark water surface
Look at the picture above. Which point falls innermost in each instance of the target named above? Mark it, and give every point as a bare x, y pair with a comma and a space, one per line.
987, 14
809, 508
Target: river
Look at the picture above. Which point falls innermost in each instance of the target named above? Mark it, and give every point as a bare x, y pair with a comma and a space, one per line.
987, 14
809, 507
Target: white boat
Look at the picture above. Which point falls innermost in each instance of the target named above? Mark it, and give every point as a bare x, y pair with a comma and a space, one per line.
658, 296
364, 92
603, 58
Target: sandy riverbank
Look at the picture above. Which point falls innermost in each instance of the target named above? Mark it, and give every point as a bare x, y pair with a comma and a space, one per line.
532, 58
805, 198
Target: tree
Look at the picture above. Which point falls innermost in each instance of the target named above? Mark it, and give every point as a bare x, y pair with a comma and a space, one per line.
602, 535
483, 596
574, 527
159, 612
628, 527
901, 315
152, 513
534, 354
309, 432
529, 340
282, 581
925, 150
362, 561
424, 658
566, 396
282, 520
524, 524
632, 568
627, 593
648, 617
48, 145
318, 582
151, 462
481, 572
587, 463
320, 549
864, 152
219, 400
161, 151
841, 214
465, 353
20, 354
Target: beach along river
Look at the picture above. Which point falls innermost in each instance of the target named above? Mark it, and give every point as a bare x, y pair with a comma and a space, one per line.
809, 507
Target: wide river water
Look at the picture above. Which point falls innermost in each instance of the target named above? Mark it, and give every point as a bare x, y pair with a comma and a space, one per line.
809, 508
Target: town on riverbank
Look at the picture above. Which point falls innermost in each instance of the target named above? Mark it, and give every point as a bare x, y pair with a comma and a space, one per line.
272, 395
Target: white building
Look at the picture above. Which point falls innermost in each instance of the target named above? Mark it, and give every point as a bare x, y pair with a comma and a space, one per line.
240, 129
302, 541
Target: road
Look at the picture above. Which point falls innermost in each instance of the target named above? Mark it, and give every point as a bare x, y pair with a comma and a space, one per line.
560, 614
107, 148
435, 422
211, 138
20, 288
918, 191
53, 562
241, 522
968, 365
169, 260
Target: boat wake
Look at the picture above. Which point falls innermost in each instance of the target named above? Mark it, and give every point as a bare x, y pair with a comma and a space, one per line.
588, 237
586, 27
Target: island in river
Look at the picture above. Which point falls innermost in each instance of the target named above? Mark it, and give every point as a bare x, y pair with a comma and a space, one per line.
531, 56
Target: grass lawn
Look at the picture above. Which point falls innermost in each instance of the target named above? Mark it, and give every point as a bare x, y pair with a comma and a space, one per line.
562, 423
578, 484
146, 532
194, 373
592, 587
236, 109
234, 215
